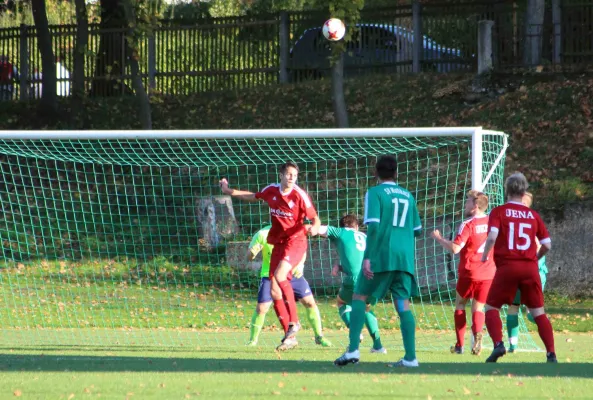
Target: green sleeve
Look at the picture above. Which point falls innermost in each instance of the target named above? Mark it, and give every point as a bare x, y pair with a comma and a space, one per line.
257, 243
333, 233
372, 207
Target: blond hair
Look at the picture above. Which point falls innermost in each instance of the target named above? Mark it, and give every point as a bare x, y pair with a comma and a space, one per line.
480, 199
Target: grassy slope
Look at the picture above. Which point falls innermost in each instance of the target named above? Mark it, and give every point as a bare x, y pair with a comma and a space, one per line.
548, 119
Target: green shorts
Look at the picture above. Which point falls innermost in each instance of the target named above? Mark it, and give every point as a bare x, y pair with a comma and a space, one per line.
402, 285
517, 300
346, 292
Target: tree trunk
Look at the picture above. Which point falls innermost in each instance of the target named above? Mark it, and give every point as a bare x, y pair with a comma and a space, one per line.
78, 84
49, 96
112, 58
340, 109
216, 220
132, 51
534, 26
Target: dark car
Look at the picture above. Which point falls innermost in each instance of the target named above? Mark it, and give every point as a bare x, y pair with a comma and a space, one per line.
372, 45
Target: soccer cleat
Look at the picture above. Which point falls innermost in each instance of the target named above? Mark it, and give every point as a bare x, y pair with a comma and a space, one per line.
512, 348
477, 344
498, 352
251, 343
323, 341
456, 349
405, 363
287, 344
551, 358
348, 358
293, 328
382, 350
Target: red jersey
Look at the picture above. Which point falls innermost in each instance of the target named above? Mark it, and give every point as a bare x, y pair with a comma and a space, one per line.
287, 212
471, 238
517, 228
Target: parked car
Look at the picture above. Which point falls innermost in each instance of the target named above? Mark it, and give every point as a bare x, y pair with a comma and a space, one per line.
372, 45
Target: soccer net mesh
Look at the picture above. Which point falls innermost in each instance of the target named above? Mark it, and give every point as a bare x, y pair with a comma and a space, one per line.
123, 242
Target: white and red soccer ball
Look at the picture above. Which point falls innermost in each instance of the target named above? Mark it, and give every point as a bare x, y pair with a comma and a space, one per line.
334, 29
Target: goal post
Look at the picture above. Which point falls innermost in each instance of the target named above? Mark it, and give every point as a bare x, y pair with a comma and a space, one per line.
124, 238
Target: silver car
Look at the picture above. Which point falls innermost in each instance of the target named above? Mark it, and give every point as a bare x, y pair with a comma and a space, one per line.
372, 47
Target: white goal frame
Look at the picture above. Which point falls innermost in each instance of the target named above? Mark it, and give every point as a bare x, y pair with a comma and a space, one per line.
476, 134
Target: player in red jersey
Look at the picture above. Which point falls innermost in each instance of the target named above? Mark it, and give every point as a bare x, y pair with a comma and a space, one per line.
512, 231
474, 277
289, 206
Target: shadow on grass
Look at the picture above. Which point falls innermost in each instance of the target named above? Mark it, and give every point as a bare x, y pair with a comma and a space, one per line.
74, 363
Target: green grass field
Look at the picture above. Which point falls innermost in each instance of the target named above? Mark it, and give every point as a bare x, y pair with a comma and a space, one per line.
237, 373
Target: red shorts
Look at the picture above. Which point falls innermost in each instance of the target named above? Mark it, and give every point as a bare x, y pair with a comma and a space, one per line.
508, 279
472, 289
291, 251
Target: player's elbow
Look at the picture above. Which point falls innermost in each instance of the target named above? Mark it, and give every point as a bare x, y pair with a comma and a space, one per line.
455, 249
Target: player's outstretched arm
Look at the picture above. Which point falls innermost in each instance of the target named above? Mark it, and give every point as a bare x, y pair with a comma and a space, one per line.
314, 229
241, 194
447, 244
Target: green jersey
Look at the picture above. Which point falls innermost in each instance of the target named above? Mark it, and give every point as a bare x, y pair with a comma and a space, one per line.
393, 223
350, 245
259, 242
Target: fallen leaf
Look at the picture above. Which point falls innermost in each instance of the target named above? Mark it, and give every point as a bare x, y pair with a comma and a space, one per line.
304, 388
161, 385
285, 373
71, 396
568, 340
17, 393
429, 397
280, 384
86, 390
519, 383
275, 392
450, 391
466, 391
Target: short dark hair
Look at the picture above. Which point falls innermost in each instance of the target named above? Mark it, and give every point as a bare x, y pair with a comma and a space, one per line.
386, 167
286, 165
349, 221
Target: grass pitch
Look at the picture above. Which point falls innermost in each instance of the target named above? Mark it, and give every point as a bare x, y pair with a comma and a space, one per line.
241, 373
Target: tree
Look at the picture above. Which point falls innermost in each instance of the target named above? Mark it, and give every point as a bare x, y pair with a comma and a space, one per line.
111, 59
534, 27
349, 12
82, 39
49, 97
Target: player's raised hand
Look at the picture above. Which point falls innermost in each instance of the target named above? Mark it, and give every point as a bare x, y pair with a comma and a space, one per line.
366, 269
224, 186
436, 234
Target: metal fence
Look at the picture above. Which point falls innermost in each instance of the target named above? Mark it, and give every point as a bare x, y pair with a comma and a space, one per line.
241, 52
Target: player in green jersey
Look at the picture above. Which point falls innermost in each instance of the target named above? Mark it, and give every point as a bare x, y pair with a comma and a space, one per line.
388, 266
513, 310
265, 295
350, 244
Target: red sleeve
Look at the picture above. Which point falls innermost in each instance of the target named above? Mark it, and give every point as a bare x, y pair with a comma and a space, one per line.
463, 234
542, 232
494, 221
264, 193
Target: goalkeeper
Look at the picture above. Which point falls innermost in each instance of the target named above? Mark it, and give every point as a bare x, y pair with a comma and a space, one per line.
350, 244
302, 292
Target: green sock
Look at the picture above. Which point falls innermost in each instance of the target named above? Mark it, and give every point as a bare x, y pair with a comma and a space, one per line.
408, 327
530, 317
513, 328
315, 320
257, 323
356, 323
370, 320
344, 311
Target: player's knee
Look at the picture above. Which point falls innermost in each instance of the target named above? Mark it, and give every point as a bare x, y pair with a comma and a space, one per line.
263, 308
401, 305
536, 312
513, 309
308, 301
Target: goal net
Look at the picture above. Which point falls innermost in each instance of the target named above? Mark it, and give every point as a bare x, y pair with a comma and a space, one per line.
124, 238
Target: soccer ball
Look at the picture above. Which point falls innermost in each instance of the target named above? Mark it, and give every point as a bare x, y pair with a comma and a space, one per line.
334, 29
